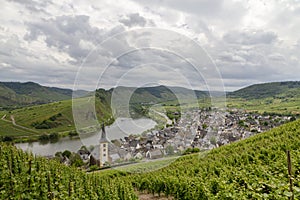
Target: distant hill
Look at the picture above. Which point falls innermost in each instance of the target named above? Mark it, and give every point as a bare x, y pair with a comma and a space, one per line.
14, 94
156, 94
140, 99
276, 90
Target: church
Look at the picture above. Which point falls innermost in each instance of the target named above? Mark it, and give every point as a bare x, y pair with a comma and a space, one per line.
103, 148
105, 153
100, 155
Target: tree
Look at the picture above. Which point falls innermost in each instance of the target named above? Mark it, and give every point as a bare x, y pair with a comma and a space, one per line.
67, 153
169, 150
7, 139
58, 154
76, 160
213, 140
293, 118
53, 137
83, 148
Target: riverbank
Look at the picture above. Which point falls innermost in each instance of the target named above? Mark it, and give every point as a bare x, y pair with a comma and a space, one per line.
122, 127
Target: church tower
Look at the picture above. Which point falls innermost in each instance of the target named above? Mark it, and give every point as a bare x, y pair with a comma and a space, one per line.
103, 154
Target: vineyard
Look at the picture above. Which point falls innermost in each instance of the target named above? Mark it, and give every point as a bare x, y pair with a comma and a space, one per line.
23, 176
255, 168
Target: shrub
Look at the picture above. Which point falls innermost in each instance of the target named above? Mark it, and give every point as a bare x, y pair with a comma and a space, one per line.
43, 137
67, 153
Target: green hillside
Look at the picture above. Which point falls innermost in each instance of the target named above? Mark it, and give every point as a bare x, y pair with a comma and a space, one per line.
15, 94
276, 90
161, 94
287, 106
141, 99
56, 117
255, 168
280, 97
157, 94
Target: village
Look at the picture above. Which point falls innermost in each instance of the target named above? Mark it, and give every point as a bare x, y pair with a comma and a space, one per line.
196, 129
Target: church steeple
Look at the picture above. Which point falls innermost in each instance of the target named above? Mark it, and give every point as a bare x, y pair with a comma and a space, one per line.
103, 135
103, 154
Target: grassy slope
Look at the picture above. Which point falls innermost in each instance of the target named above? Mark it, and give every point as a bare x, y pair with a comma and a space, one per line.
28, 115
281, 97
8, 130
255, 168
287, 105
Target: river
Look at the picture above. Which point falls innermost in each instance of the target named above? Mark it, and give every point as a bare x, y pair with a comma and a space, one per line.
119, 129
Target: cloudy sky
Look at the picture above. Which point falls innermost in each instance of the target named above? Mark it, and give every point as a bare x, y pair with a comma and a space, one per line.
57, 43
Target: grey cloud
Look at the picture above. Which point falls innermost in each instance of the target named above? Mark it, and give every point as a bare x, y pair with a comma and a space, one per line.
10, 47
243, 56
65, 33
238, 55
258, 65
20, 64
229, 57
250, 37
34, 6
134, 19
203, 7
277, 57
224, 13
242, 64
152, 65
248, 72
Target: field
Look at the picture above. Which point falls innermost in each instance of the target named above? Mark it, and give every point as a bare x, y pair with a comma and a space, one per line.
269, 105
8, 130
279, 97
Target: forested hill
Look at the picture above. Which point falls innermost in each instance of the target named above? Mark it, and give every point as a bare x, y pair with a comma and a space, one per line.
156, 94
287, 89
14, 94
